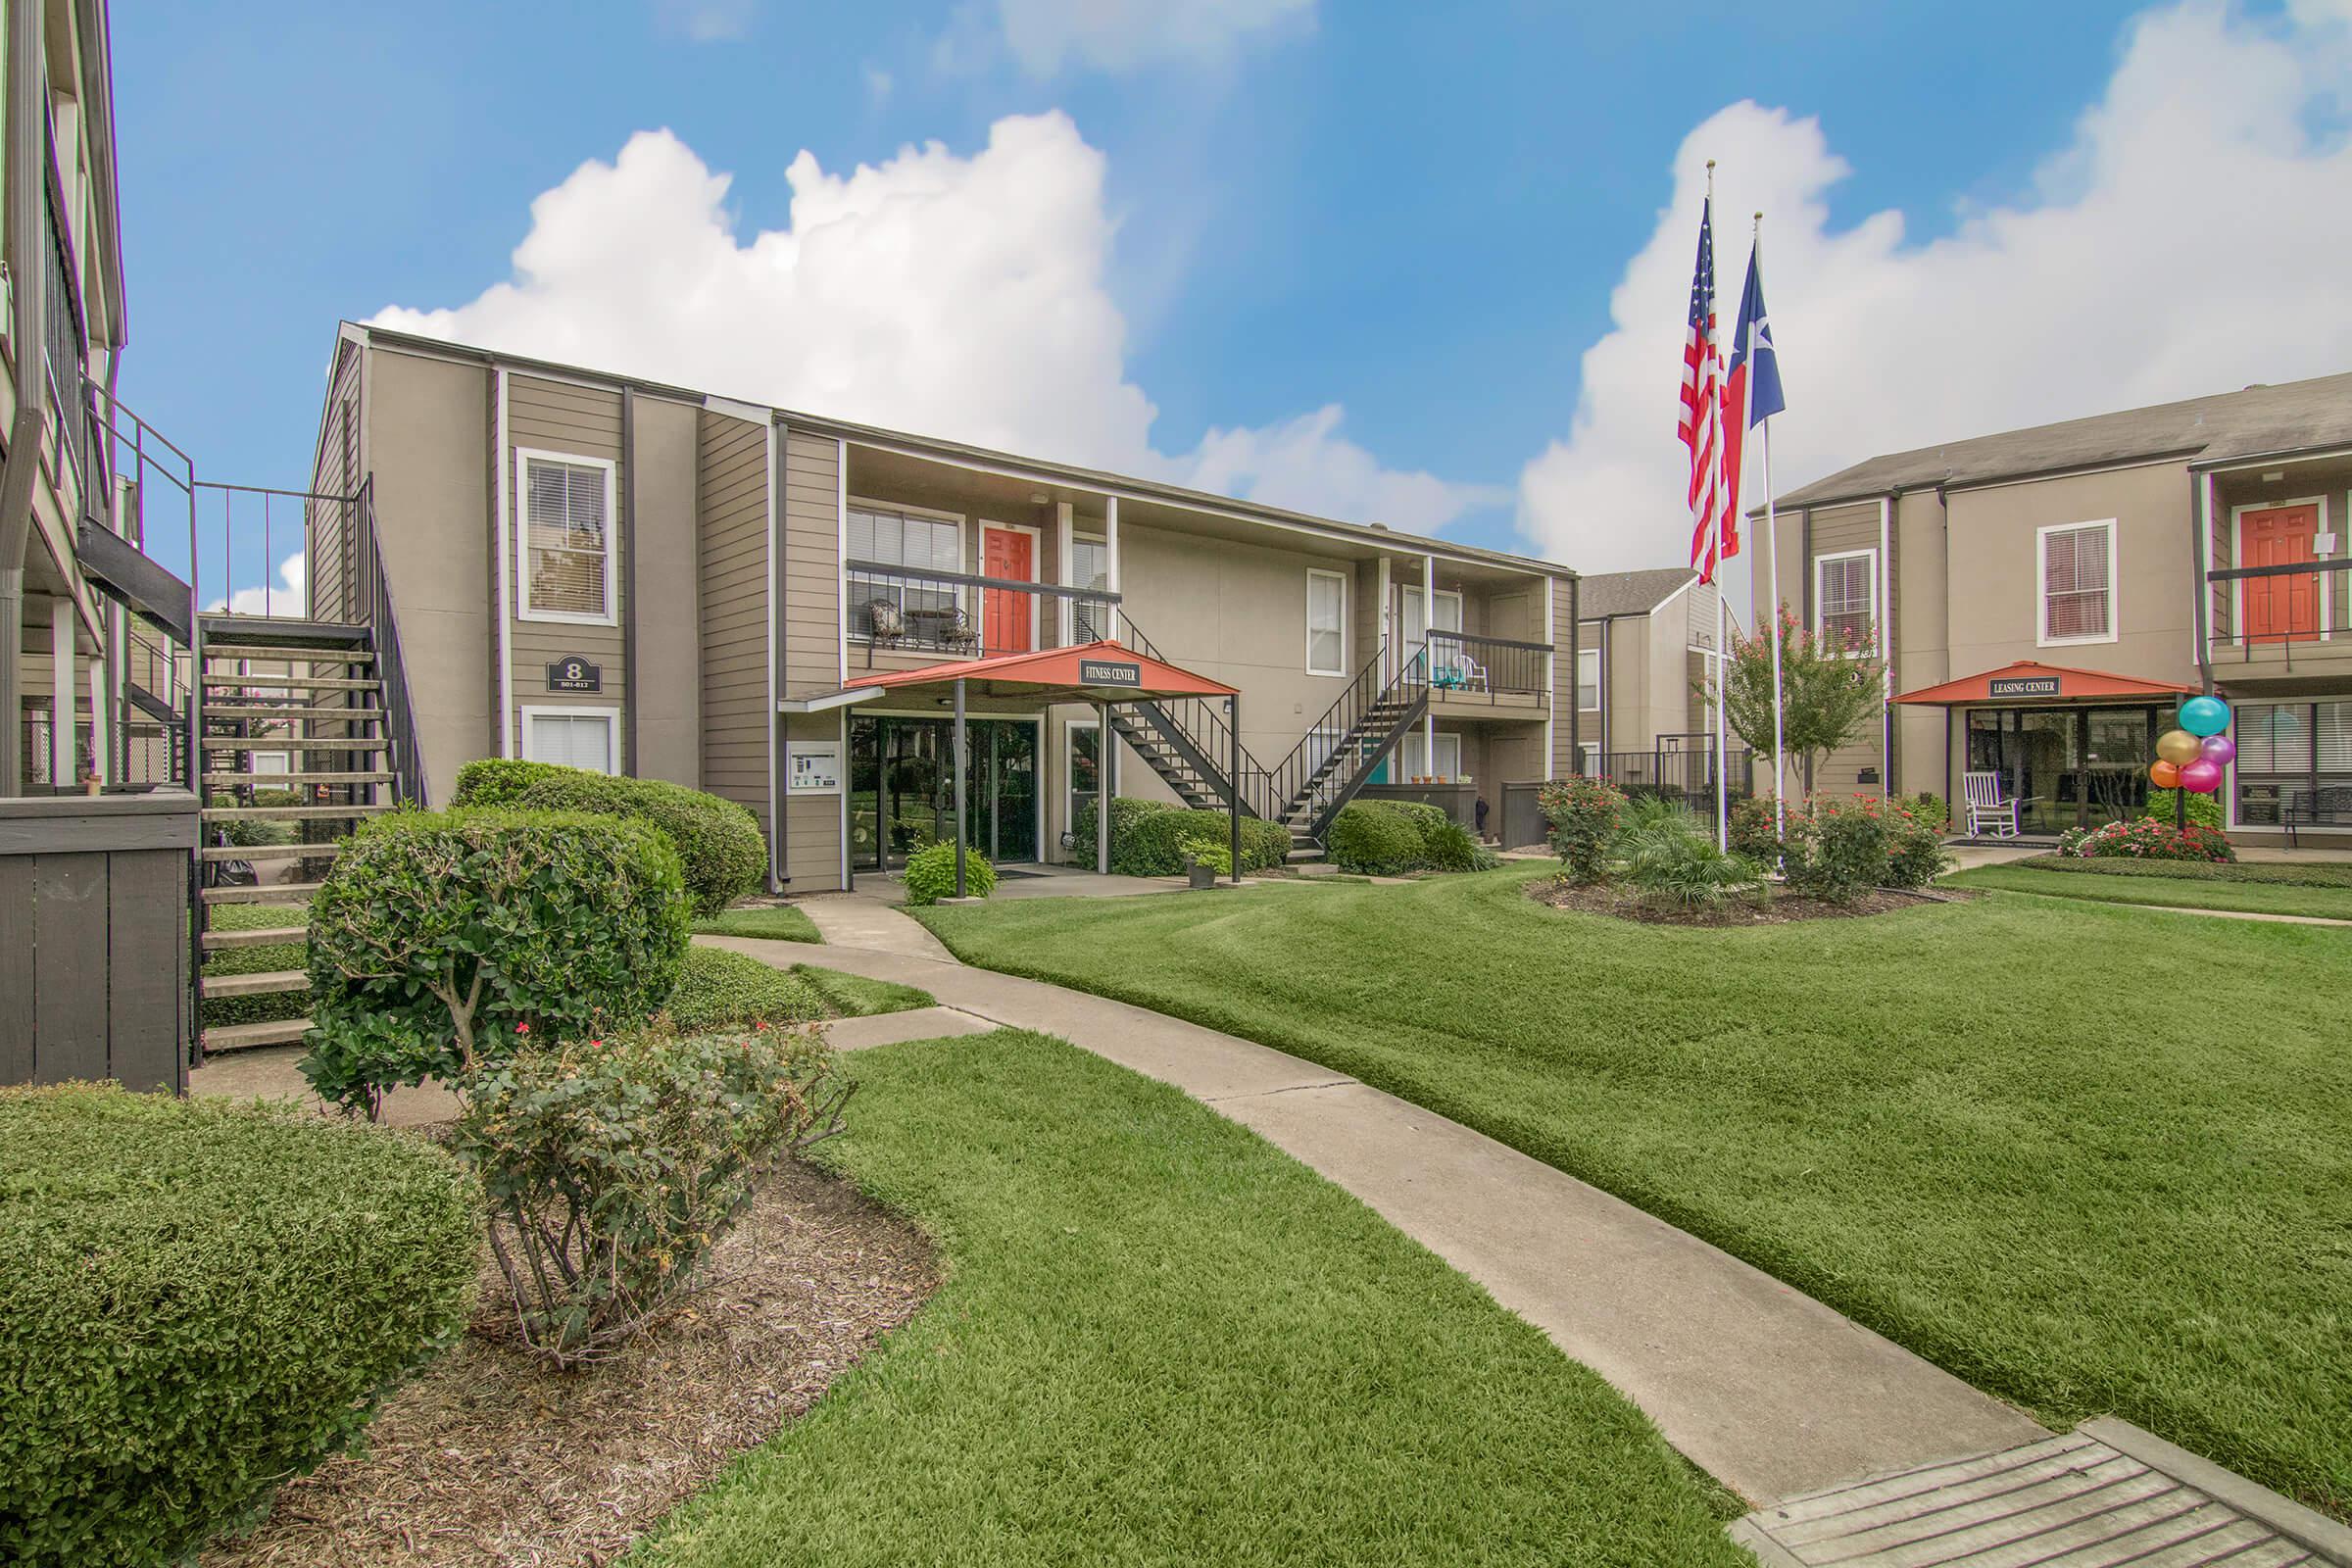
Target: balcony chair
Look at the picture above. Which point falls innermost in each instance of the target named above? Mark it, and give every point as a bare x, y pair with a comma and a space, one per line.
1457, 672
884, 621
1991, 813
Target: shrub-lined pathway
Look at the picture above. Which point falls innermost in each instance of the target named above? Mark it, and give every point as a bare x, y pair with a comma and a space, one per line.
1768, 1389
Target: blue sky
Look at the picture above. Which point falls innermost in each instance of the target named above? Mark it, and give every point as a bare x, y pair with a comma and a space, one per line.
1419, 213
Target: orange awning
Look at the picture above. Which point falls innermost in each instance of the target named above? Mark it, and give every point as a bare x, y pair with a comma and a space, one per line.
2028, 682
1095, 670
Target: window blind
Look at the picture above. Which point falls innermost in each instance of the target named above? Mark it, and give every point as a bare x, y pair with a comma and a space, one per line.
2075, 590
565, 526
1846, 589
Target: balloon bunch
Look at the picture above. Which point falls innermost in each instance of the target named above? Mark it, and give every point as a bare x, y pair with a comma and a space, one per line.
2192, 757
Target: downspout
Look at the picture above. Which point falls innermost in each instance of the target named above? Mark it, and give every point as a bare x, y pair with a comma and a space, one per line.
1576, 632
27, 99
629, 764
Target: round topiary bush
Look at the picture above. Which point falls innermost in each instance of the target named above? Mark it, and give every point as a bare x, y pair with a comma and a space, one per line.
717, 841
1374, 838
931, 875
440, 938
494, 781
198, 1298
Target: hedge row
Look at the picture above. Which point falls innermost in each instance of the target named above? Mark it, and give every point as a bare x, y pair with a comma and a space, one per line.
718, 839
1390, 838
168, 1366
1147, 837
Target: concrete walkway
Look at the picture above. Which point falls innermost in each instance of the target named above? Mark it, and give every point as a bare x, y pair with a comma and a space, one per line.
1766, 1389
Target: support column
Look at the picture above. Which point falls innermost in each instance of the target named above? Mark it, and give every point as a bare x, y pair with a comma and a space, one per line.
14, 765
1428, 624
1111, 553
1105, 742
61, 694
962, 757
1064, 570
101, 732
1233, 792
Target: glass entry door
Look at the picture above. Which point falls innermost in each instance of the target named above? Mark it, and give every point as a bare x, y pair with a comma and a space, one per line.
903, 789
2070, 767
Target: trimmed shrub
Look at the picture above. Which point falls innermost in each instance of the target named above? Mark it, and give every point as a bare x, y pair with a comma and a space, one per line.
2147, 839
718, 989
198, 1299
441, 939
1915, 853
717, 841
1842, 853
613, 1167
2204, 809
931, 875
501, 781
1585, 814
1147, 837
1374, 838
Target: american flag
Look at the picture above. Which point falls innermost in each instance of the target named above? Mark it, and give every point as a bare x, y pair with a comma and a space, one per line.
1701, 423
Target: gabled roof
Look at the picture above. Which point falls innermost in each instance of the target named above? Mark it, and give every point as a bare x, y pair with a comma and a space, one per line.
2294, 415
2028, 681
1102, 669
1629, 593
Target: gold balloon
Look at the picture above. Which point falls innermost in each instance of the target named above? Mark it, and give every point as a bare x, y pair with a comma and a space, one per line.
2178, 747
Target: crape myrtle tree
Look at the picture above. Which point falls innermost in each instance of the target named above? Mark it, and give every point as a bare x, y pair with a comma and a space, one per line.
1833, 689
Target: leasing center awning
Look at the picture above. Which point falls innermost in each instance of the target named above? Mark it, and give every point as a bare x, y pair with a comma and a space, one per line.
2028, 682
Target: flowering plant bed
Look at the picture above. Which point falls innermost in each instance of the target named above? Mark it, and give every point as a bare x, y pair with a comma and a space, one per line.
2147, 839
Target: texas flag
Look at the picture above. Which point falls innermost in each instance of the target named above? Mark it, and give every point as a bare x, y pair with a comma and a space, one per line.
1752, 390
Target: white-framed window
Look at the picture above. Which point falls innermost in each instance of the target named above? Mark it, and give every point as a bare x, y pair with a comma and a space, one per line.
1081, 767
270, 762
2077, 565
1845, 596
1588, 758
575, 737
1326, 623
1090, 570
1587, 679
892, 537
565, 516
1415, 763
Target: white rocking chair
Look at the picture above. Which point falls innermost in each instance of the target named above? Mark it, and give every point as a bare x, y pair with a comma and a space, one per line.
1991, 813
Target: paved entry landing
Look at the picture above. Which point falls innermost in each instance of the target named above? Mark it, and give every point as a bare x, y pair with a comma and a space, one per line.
2107, 1493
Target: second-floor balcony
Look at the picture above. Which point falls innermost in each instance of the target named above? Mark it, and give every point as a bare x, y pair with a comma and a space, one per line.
940, 615
1468, 672
2279, 619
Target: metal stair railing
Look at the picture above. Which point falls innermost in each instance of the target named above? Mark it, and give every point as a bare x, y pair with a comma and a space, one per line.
1339, 752
375, 602
1198, 730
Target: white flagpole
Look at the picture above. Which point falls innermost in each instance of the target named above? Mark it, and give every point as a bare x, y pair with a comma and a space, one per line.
1772, 570
1723, 820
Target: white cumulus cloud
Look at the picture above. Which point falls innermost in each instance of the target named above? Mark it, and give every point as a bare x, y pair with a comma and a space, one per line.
955, 296
2190, 238
288, 595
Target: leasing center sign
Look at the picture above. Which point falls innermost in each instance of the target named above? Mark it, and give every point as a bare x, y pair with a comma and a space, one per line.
2022, 686
1108, 672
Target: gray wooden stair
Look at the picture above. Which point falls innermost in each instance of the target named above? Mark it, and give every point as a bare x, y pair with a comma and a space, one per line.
289, 813
281, 653
271, 852
246, 1036
269, 681
302, 743
256, 937
282, 780
266, 893
290, 711
262, 983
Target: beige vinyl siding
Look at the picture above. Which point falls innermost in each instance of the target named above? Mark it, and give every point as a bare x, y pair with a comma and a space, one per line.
1566, 732
664, 587
568, 422
812, 823
327, 532
811, 624
736, 721
1837, 531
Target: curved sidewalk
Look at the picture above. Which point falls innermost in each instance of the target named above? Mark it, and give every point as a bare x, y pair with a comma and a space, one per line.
1763, 1387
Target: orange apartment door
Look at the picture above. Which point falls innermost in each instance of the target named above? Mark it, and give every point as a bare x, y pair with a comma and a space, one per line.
1009, 623
2283, 609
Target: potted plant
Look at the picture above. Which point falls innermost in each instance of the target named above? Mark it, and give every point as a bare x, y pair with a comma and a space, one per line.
88, 773
1204, 862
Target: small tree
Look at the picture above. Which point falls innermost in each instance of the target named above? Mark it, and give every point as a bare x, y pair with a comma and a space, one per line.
1833, 688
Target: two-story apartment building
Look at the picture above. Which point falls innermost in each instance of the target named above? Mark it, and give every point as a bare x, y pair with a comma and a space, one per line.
2044, 596
596, 570
1646, 652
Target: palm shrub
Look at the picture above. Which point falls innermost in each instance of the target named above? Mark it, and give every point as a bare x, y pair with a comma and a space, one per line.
1446, 846
719, 843
198, 1299
613, 1167
1585, 814
442, 938
931, 875
1664, 853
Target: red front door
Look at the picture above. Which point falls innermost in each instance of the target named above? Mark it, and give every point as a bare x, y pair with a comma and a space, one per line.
2287, 607
1007, 619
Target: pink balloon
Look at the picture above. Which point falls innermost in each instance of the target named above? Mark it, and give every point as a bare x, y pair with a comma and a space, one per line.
2219, 750
2202, 776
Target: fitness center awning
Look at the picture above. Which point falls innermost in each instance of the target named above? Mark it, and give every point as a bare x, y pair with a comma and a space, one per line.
1103, 674
2028, 682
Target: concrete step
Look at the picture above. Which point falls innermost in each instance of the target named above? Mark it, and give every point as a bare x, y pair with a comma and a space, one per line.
266, 937
244, 1036
284, 652
269, 982
1304, 854
288, 814
267, 893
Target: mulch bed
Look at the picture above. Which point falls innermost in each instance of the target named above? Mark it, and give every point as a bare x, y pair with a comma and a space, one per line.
1783, 909
487, 1457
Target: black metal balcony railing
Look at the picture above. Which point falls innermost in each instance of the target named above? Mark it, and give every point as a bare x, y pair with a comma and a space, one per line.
965, 616
68, 349
1463, 665
2278, 612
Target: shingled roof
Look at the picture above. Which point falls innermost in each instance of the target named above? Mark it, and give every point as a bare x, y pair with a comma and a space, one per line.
1628, 593
2294, 415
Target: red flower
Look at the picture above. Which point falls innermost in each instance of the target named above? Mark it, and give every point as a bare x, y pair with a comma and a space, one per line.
522, 1028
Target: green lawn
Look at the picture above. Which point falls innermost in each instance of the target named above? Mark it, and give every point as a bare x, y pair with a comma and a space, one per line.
2322, 889
1162, 1341
2089, 1159
777, 922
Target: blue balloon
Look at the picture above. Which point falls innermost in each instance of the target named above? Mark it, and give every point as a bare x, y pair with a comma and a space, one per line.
2204, 715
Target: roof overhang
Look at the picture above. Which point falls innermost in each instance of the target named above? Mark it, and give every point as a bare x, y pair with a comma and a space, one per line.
2026, 681
1097, 671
